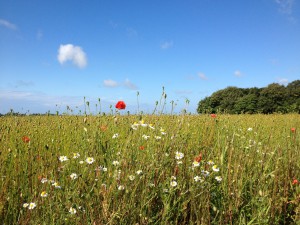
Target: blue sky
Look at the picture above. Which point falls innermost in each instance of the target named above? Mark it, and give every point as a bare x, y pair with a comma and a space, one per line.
55, 53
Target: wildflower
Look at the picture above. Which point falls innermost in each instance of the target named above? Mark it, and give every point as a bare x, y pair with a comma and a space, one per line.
151, 126
74, 176
81, 162
215, 168
213, 115
72, 211
218, 178
143, 124
179, 155
173, 178
162, 131
205, 173
116, 135
139, 172
31, 205
90, 160
115, 163
56, 185
76, 155
85, 129
250, 129
25, 205
134, 126
197, 179
120, 105
121, 187
198, 158
63, 158
104, 169
103, 128
44, 194
210, 162
131, 177
44, 180
293, 129
25, 139
173, 183
142, 147
146, 137
295, 181
196, 164
157, 137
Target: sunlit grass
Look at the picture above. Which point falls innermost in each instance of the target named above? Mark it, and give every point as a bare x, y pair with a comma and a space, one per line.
167, 169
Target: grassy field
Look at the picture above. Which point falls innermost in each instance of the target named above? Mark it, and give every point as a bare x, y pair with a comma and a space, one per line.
180, 169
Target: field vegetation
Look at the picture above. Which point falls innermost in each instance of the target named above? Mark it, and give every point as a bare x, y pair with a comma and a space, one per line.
150, 169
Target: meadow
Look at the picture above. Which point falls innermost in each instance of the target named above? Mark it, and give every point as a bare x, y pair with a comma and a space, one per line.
150, 169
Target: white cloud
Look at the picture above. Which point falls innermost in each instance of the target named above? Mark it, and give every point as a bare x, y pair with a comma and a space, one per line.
202, 76
110, 83
166, 45
285, 6
8, 24
283, 81
72, 53
130, 85
127, 83
238, 73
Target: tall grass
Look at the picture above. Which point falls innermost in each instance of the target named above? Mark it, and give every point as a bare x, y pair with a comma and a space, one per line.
167, 169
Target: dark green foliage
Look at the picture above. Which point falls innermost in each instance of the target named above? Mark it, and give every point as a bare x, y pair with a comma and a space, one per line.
274, 98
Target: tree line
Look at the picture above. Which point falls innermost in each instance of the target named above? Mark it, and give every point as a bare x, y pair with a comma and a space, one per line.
274, 98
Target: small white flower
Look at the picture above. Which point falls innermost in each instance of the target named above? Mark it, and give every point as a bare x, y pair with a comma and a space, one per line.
173, 178
135, 126
121, 187
56, 185
146, 137
104, 169
44, 180
44, 194
179, 155
25, 205
81, 162
116, 135
205, 173
131, 177
197, 179
90, 160
32, 205
151, 126
196, 164
139, 172
250, 129
63, 158
115, 163
157, 137
218, 178
210, 162
76, 155
72, 211
215, 168
173, 183
74, 176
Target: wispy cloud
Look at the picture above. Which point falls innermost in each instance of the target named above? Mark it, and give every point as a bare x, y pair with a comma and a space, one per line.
8, 24
285, 7
183, 92
238, 73
113, 84
166, 45
110, 83
22, 83
202, 76
283, 81
130, 85
72, 53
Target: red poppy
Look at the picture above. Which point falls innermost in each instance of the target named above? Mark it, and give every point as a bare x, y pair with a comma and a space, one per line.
213, 116
293, 129
142, 147
25, 139
120, 105
295, 181
198, 158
